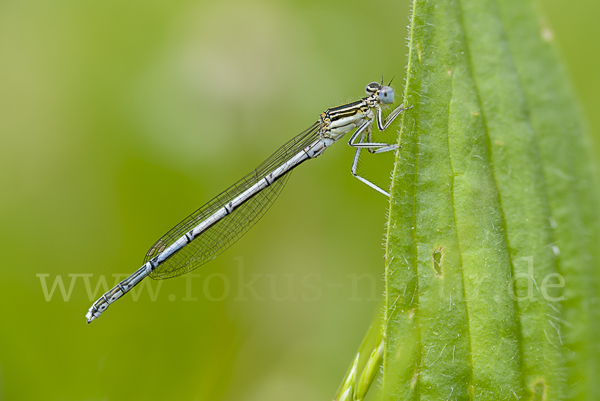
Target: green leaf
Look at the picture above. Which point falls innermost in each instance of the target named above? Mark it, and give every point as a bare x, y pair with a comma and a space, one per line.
366, 364
492, 257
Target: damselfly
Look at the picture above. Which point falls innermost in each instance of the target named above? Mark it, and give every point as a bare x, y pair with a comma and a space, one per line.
223, 220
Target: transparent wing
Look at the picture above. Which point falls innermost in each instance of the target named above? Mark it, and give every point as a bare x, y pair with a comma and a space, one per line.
232, 227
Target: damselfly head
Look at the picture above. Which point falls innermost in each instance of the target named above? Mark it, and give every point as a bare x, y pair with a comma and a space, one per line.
372, 88
386, 95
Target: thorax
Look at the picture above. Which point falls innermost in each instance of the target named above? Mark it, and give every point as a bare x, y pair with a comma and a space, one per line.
337, 121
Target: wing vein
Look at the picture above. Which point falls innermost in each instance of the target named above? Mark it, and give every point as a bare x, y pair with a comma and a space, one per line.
232, 227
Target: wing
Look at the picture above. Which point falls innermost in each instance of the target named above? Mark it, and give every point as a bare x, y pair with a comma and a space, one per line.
232, 227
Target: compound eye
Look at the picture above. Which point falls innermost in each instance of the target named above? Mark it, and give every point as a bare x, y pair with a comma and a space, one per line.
386, 95
372, 88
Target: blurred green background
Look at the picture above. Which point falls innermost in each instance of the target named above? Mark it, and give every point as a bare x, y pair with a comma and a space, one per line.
119, 118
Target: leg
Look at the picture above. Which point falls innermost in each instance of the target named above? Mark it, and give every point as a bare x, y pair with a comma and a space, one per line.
382, 125
373, 147
359, 145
